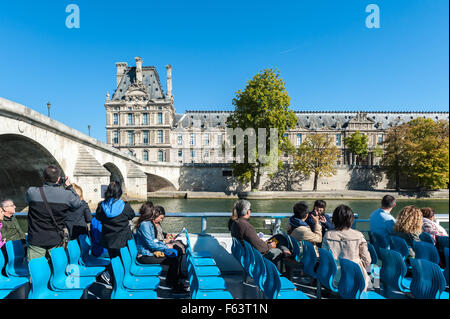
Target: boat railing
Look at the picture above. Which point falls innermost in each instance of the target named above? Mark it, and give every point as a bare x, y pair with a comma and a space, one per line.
273, 220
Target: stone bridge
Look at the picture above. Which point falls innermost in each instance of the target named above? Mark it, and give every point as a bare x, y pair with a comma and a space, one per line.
31, 141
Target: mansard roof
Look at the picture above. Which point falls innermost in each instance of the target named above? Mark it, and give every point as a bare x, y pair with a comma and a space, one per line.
334, 120
150, 79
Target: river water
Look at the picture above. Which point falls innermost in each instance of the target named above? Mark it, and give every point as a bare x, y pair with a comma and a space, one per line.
219, 224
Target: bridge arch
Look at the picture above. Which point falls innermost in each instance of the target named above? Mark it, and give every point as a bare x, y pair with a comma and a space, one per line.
22, 161
158, 183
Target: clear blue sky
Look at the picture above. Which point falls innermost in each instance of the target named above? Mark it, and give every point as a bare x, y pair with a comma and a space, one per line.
326, 55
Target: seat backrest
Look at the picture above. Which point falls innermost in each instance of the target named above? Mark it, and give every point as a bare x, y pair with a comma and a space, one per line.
309, 258
249, 260
425, 250
272, 284
296, 251
426, 237
327, 269
260, 271
399, 245
40, 276
238, 253
59, 260
85, 245
393, 269
442, 242
73, 248
446, 264
428, 282
352, 282
118, 273
126, 260
373, 253
132, 248
15, 249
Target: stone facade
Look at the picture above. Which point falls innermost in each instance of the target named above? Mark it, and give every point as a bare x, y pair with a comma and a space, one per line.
142, 121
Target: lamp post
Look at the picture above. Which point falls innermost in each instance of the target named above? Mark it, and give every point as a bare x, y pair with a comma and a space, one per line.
48, 107
89, 130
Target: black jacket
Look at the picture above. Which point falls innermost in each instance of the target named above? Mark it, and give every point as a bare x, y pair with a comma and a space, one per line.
42, 231
116, 231
77, 220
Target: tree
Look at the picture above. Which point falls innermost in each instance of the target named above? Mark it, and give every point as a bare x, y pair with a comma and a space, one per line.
317, 154
357, 144
264, 103
419, 150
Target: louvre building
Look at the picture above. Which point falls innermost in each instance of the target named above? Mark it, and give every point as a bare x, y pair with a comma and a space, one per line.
141, 120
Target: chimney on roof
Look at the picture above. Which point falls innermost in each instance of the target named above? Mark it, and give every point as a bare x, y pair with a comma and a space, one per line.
138, 69
121, 68
169, 81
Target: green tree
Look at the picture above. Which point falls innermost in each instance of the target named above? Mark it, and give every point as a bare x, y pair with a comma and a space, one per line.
357, 144
317, 155
264, 103
418, 149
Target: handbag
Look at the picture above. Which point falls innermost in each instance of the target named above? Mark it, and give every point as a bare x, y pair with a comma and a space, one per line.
64, 232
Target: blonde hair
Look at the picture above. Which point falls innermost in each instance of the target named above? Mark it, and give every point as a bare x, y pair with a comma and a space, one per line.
409, 220
78, 190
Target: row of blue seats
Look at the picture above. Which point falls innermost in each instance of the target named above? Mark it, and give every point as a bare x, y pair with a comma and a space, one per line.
264, 273
65, 276
205, 279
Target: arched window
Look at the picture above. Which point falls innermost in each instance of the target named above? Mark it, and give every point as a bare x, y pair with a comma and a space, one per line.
145, 155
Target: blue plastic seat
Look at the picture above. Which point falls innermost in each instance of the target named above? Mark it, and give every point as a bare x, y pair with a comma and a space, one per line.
442, 242
196, 254
17, 265
8, 284
428, 282
74, 252
119, 291
426, 237
392, 274
137, 268
40, 276
259, 271
374, 267
237, 251
208, 290
378, 241
296, 250
352, 283
203, 270
131, 282
399, 245
202, 261
272, 285
327, 270
425, 250
86, 258
446, 264
309, 258
59, 279
205, 282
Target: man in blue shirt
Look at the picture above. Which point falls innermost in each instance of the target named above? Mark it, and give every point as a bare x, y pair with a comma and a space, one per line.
381, 220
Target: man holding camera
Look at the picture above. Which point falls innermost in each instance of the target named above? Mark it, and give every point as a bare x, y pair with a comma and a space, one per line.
48, 207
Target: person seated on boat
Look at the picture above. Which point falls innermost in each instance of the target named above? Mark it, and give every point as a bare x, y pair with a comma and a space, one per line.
429, 224
324, 220
78, 220
300, 230
241, 229
409, 226
381, 221
156, 247
348, 243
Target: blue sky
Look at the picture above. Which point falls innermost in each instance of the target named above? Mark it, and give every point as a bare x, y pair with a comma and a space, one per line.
323, 50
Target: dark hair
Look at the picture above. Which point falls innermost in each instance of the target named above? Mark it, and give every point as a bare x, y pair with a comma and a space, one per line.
388, 201
320, 204
300, 210
343, 217
114, 190
427, 212
145, 213
51, 174
157, 211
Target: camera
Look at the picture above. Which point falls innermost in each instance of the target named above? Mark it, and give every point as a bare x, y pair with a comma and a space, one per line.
62, 180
